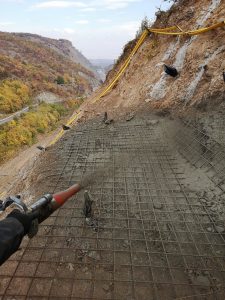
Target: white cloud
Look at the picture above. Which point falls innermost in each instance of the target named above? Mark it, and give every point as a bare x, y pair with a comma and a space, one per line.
82, 22
10, 1
112, 38
60, 4
69, 30
115, 4
129, 27
6, 24
85, 6
104, 20
88, 9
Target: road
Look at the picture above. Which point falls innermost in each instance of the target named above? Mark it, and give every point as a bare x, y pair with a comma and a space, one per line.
17, 114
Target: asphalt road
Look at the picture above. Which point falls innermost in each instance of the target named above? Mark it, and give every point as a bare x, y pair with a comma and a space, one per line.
17, 114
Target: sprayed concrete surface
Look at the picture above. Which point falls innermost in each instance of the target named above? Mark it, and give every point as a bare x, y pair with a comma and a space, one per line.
158, 194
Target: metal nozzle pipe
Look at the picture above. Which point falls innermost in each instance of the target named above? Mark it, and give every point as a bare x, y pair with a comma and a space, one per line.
45, 206
60, 198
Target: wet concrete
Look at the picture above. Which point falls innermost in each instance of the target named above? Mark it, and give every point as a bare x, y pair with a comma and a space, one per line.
157, 235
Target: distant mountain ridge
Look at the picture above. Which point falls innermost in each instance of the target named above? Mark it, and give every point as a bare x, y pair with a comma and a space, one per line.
36, 64
63, 47
103, 66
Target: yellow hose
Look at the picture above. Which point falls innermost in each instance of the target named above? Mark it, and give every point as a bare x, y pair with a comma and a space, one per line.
164, 31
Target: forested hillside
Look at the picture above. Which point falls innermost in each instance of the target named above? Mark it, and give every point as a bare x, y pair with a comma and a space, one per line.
28, 68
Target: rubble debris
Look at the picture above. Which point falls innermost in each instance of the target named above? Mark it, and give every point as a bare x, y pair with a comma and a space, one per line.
81, 157
93, 223
158, 205
87, 209
220, 229
94, 255
203, 280
163, 112
65, 127
106, 120
41, 148
126, 244
88, 212
105, 117
130, 117
203, 200
71, 267
69, 242
209, 229
98, 143
170, 71
152, 122
107, 287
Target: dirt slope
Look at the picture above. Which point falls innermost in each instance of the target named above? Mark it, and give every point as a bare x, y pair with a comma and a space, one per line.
199, 61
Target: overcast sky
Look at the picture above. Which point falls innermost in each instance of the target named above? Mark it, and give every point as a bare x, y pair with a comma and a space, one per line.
98, 28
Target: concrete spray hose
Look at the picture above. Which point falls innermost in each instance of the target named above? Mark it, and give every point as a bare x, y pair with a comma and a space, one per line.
41, 209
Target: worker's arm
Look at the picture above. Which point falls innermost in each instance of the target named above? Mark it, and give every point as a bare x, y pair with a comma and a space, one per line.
11, 235
12, 231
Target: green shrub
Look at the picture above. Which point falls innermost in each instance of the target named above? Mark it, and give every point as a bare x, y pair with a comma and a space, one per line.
24, 131
60, 80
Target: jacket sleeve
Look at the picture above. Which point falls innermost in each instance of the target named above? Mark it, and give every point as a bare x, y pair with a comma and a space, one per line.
11, 235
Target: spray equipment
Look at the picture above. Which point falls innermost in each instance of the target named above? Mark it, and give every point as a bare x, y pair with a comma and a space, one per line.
41, 209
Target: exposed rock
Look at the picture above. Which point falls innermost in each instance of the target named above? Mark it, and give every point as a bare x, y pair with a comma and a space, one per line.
209, 229
202, 280
130, 117
94, 255
107, 287
152, 122
158, 206
71, 267
220, 229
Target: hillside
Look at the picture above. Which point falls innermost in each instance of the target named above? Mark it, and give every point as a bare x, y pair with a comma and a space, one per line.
30, 65
63, 47
199, 61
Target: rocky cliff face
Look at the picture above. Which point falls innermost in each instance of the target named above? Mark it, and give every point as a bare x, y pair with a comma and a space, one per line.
198, 59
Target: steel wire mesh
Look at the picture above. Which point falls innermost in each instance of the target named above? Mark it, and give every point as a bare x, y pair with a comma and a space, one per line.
152, 240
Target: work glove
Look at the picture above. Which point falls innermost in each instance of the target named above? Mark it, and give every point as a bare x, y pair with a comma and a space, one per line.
25, 219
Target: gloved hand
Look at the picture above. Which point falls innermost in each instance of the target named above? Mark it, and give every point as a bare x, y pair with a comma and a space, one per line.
24, 219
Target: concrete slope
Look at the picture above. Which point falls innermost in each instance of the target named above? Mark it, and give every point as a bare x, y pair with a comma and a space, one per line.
157, 230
